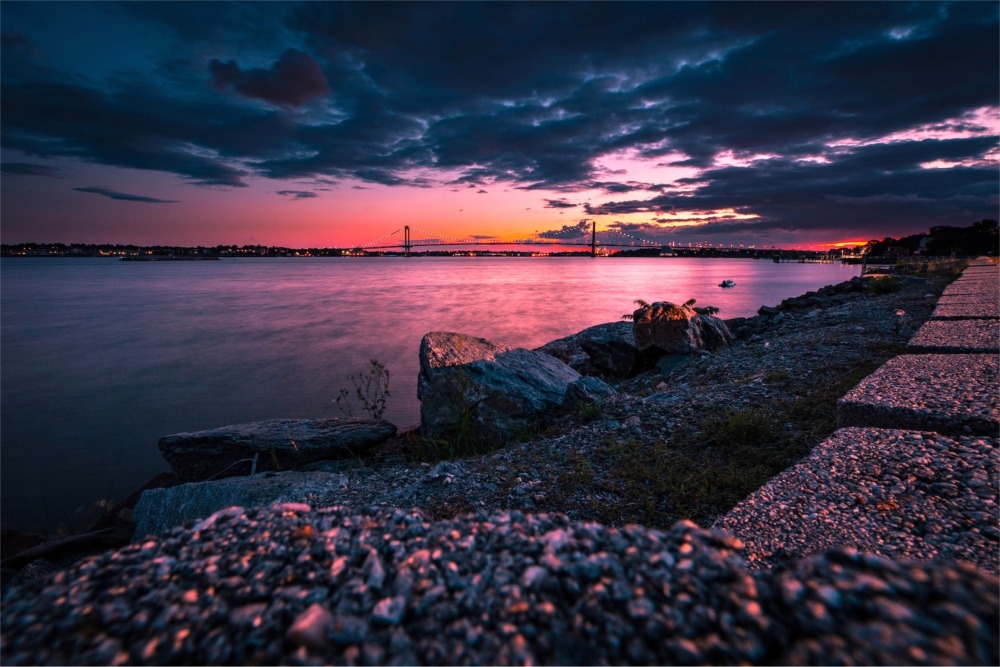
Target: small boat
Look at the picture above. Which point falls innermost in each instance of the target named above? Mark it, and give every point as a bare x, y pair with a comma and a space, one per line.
727, 283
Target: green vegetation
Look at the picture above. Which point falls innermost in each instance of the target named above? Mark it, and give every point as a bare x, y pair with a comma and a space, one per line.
777, 376
929, 267
588, 412
886, 284
719, 457
979, 238
703, 310
638, 302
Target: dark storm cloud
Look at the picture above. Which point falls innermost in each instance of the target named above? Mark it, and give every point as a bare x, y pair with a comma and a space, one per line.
559, 203
293, 80
28, 169
417, 94
885, 179
297, 194
127, 127
122, 196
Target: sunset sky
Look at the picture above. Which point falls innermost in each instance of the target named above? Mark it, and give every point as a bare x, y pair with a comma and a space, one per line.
332, 124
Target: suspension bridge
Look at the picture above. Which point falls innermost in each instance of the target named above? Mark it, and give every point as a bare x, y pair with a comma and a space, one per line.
404, 239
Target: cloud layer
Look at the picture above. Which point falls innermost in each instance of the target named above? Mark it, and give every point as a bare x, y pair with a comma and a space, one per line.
122, 196
792, 115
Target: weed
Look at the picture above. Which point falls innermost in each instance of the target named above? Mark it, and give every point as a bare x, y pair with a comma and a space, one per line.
776, 376
886, 284
371, 389
468, 437
738, 428
588, 412
638, 302
703, 310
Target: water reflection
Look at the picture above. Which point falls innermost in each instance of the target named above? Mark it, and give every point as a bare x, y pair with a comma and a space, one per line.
101, 358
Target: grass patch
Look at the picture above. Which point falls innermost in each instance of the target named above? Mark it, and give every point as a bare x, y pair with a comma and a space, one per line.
777, 376
588, 413
718, 459
726, 456
886, 284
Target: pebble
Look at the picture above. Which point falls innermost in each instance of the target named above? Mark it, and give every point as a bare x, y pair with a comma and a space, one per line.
489, 588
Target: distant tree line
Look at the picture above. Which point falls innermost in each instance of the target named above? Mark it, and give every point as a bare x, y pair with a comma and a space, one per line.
980, 238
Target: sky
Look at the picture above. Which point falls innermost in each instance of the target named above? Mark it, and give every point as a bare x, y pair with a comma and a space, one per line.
333, 124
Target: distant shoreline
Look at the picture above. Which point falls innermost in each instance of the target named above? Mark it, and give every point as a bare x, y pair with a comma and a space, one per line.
217, 252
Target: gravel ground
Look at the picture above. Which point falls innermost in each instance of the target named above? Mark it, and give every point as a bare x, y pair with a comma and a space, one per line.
903, 494
289, 585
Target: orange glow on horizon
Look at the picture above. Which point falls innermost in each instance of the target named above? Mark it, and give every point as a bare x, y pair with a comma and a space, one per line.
843, 244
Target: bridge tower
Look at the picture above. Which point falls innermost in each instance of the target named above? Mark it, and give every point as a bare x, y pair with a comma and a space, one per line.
593, 238
406, 241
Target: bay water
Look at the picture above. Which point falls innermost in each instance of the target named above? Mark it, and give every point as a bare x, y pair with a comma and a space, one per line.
101, 358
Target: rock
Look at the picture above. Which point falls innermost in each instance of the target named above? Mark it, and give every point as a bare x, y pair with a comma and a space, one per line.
715, 333
768, 311
13, 542
71, 547
486, 386
588, 391
671, 362
159, 510
607, 350
311, 628
281, 444
675, 329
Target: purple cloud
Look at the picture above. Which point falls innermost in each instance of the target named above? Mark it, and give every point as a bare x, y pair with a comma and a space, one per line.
122, 196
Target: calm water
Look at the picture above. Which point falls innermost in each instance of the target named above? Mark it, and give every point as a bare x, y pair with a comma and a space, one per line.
101, 358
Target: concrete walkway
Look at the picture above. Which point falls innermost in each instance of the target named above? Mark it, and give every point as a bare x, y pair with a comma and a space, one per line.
913, 472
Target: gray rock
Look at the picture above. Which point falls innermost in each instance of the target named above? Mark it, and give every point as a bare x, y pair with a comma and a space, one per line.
588, 391
280, 444
715, 333
158, 510
607, 350
674, 329
768, 311
486, 386
671, 362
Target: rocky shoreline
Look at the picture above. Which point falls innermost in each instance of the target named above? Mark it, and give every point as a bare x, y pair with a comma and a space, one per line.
651, 439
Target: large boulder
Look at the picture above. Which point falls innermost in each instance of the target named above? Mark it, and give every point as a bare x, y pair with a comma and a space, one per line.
714, 333
278, 444
588, 390
672, 329
606, 350
480, 385
159, 510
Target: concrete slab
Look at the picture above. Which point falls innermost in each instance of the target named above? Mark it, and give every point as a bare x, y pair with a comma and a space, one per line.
954, 394
989, 277
959, 288
899, 494
971, 308
956, 336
